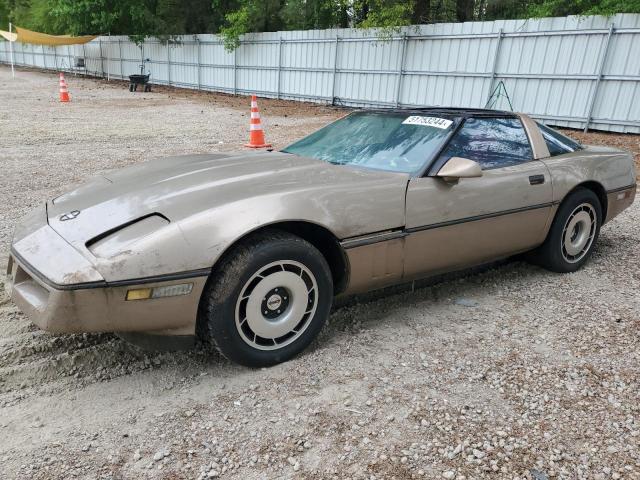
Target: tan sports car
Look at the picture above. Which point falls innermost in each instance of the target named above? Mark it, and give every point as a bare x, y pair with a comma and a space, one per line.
248, 250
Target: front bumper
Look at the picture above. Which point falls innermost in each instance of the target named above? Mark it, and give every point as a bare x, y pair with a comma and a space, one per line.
61, 292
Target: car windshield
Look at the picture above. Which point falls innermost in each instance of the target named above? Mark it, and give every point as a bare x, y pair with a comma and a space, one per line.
397, 142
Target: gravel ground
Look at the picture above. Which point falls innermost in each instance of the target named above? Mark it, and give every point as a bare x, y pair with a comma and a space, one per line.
510, 373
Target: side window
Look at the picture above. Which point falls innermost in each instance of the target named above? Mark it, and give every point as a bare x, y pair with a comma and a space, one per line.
492, 142
556, 142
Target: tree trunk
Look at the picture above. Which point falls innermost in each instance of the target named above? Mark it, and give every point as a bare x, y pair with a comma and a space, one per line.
421, 12
343, 17
363, 12
464, 10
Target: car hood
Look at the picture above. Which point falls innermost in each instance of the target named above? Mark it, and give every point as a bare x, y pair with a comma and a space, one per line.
180, 187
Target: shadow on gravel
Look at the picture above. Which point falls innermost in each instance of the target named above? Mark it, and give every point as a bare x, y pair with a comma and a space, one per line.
32, 360
347, 310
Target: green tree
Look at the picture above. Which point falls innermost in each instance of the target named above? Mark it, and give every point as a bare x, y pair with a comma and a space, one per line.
315, 14
233, 18
138, 18
561, 8
31, 14
421, 12
502, 9
251, 16
387, 14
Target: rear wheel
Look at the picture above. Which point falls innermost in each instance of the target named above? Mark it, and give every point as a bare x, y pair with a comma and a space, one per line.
573, 234
267, 300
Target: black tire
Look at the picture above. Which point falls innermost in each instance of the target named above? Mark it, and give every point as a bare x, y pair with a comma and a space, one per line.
553, 254
131, 87
234, 286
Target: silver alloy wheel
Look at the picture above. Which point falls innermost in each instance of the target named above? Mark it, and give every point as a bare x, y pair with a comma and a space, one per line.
578, 232
276, 305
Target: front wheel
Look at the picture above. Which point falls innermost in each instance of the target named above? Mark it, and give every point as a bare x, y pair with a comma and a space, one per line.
573, 233
267, 300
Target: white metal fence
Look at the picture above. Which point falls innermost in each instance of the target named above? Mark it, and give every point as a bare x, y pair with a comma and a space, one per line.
575, 71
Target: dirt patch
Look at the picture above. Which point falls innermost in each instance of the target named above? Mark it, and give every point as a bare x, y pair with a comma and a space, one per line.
513, 372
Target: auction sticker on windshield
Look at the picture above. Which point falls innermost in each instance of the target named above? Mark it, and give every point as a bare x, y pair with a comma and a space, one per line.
428, 121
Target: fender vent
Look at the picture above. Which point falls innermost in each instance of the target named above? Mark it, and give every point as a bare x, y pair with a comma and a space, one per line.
117, 240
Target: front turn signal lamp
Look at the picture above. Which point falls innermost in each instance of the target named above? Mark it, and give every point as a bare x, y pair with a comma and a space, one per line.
159, 292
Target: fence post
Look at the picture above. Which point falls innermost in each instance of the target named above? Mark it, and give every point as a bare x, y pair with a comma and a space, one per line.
592, 100
401, 69
44, 57
496, 55
13, 68
101, 57
108, 58
279, 65
55, 57
198, 59
335, 72
120, 55
168, 64
84, 56
235, 68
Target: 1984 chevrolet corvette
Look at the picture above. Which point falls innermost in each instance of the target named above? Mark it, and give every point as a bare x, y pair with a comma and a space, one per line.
248, 250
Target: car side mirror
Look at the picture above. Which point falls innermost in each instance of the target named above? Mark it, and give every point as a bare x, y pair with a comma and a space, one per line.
457, 168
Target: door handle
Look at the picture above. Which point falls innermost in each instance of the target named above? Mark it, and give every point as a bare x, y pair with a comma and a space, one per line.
536, 179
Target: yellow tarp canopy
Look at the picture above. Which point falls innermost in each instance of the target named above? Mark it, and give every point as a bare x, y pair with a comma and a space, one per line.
12, 37
27, 36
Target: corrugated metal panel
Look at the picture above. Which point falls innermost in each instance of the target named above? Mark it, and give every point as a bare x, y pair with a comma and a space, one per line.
552, 68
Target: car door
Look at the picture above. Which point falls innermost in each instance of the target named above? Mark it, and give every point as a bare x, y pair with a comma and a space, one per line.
453, 224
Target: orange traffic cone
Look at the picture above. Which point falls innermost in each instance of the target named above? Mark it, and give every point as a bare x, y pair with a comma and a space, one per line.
256, 134
64, 93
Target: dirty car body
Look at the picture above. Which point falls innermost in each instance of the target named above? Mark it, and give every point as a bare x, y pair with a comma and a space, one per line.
134, 250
